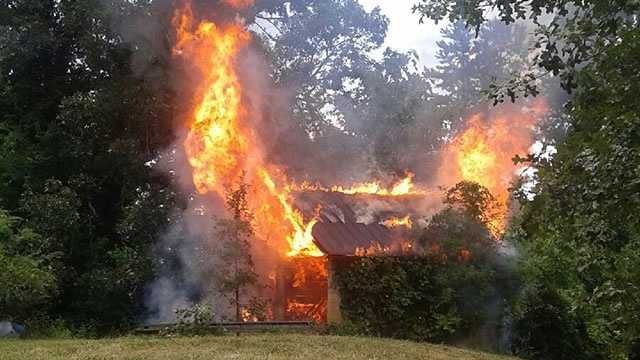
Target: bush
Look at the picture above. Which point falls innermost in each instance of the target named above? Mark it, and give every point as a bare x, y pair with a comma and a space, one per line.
546, 328
195, 320
412, 297
25, 281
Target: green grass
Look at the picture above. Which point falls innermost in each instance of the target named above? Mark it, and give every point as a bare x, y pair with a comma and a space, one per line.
265, 346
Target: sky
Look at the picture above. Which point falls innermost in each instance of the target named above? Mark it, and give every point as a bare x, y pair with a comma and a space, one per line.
405, 33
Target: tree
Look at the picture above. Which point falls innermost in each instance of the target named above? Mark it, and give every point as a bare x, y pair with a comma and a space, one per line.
483, 281
26, 279
444, 293
546, 327
579, 232
316, 47
568, 34
345, 102
387, 109
237, 275
78, 125
469, 63
456, 73
465, 224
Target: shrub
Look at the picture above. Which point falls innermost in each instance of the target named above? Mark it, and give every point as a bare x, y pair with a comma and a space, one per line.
412, 297
547, 328
195, 320
25, 281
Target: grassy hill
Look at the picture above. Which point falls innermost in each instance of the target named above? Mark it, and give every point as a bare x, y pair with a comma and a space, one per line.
269, 346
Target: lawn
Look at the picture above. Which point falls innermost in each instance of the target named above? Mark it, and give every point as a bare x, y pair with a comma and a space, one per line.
266, 346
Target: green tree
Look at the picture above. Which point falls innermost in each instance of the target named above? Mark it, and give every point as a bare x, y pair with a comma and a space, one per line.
465, 224
237, 275
346, 103
316, 46
446, 292
578, 228
461, 238
386, 109
547, 328
567, 34
469, 63
77, 126
27, 280
579, 233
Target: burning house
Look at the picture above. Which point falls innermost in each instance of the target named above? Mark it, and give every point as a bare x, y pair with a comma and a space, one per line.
302, 230
306, 287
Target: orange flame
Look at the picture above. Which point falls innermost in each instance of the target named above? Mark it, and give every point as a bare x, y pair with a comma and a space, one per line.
220, 146
301, 241
395, 222
308, 293
239, 4
483, 153
399, 247
247, 316
215, 147
403, 187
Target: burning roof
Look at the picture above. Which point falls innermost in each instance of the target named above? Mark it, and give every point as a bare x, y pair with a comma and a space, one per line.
349, 239
346, 224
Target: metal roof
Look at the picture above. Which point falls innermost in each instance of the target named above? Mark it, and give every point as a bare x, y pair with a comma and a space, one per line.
338, 238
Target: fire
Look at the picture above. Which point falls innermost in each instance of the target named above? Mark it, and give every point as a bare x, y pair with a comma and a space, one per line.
399, 247
301, 241
483, 153
395, 222
478, 160
403, 187
215, 146
220, 145
306, 294
239, 4
247, 316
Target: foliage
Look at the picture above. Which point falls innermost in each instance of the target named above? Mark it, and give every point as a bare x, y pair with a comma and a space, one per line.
462, 229
579, 234
547, 328
316, 45
440, 295
237, 274
26, 281
414, 298
78, 125
195, 320
578, 229
474, 200
568, 34
345, 101
468, 65
385, 107
25, 284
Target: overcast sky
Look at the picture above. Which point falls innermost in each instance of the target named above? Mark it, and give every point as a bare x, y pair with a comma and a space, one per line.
405, 33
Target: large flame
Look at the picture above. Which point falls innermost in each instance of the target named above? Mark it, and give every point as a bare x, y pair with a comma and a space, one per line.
483, 153
300, 240
220, 146
216, 145
402, 187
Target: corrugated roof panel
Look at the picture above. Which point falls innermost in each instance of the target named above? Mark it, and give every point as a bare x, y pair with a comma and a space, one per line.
344, 239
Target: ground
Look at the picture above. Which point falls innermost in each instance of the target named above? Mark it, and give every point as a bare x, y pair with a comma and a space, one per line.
269, 346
